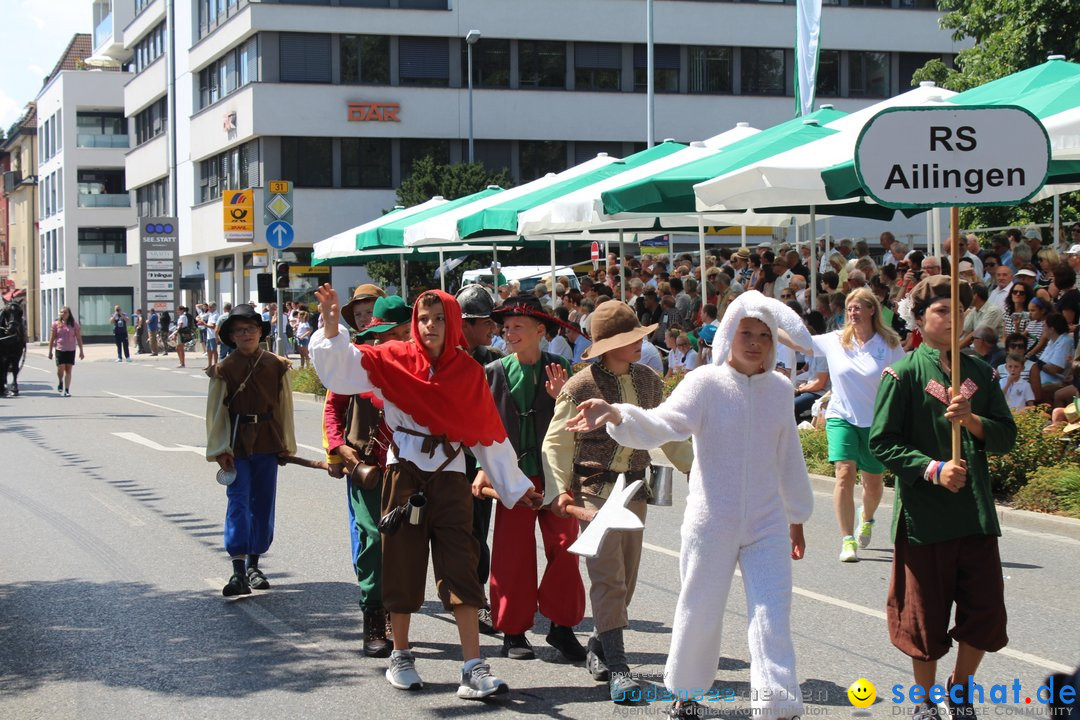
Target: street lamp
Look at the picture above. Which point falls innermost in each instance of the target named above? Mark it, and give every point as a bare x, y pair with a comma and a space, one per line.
471, 38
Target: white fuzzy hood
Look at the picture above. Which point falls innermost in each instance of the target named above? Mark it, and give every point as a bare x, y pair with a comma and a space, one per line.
775, 314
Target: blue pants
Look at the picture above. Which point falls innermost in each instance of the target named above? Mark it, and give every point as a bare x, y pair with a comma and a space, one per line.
249, 517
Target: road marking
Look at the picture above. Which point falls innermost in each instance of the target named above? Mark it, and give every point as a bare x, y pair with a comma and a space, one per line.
146, 442
128, 517
162, 407
32, 367
268, 620
163, 369
321, 451
179, 372
879, 615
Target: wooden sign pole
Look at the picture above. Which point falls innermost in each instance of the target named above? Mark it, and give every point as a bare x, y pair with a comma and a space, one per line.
954, 293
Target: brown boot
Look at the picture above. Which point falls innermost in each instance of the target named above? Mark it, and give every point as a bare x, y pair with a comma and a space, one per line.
375, 643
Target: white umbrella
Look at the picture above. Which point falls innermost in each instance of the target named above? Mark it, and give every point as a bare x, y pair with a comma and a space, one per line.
794, 177
343, 244
443, 230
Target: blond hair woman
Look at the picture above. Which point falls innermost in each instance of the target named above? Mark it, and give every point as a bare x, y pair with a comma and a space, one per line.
857, 354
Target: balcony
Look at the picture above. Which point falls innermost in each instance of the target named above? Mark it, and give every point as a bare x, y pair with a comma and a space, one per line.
105, 200
103, 31
98, 140
102, 259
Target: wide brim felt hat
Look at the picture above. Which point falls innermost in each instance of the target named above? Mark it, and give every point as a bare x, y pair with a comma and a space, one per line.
526, 305
367, 291
614, 325
241, 312
934, 288
390, 312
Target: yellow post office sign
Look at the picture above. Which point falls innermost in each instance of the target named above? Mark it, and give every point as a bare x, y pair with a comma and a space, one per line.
239, 215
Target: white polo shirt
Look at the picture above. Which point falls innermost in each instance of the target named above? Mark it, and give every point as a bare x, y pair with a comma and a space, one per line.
855, 375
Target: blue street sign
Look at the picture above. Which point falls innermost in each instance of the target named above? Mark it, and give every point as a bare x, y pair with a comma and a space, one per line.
279, 234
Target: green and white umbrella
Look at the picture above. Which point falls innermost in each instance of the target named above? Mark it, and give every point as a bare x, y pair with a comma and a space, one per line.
342, 248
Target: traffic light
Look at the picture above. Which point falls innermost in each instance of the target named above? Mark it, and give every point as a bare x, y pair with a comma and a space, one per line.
281, 275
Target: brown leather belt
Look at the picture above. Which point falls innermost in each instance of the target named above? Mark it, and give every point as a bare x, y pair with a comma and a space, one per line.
595, 476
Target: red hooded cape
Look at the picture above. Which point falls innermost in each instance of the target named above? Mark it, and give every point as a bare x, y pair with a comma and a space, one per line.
456, 400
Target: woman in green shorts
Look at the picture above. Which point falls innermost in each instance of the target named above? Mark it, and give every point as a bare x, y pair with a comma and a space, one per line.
856, 353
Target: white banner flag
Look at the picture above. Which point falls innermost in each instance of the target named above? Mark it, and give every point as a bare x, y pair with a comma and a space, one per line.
807, 44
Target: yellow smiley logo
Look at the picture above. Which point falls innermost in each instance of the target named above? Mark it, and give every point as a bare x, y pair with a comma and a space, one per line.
862, 693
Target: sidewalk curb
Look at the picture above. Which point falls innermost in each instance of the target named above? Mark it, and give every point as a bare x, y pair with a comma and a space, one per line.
1007, 516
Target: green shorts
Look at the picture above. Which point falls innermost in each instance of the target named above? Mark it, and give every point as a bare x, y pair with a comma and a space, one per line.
848, 442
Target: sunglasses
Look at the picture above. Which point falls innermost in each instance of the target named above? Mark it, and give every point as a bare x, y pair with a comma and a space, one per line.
1018, 292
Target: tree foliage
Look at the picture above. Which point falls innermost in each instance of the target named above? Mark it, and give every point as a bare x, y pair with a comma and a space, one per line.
1007, 36
427, 180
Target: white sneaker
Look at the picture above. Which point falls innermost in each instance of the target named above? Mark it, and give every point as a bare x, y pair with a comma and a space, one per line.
866, 529
849, 552
480, 683
402, 671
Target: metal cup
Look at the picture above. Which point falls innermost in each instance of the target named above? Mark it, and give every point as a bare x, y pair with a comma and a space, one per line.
416, 508
660, 477
226, 477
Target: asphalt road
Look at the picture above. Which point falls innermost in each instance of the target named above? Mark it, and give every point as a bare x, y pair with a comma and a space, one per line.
112, 564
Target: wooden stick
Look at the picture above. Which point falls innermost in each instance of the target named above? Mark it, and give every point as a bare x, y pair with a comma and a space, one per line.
304, 462
578, 513
954, 292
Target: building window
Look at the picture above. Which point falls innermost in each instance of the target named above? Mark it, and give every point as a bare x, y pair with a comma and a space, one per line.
424, 61
710, 69
828, 74
100, 129
232, 71
868, 74
909, 63
214, 12
762, 71
365, 59
584, 151
365, 163
539, 157
96, 307
541, 64
304, 57
308, 161
413, 150
494, 155
103, 188
597, 66
665, 68
234, 169
491, 63
149, 49
102, 247
153, 200
152, 121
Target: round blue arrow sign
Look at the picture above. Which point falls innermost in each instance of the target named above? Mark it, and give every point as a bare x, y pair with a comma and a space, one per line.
279, 234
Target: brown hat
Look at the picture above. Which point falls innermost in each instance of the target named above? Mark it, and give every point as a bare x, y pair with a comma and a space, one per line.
614, 325
743, 253
367, 291
936, 287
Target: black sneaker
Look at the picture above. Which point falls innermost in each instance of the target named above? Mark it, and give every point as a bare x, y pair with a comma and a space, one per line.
624, 689
564, 640
256, 579
237, 585
483, 619
594, 661
60, 387
963, 710
517, 647
925, 711
688, 709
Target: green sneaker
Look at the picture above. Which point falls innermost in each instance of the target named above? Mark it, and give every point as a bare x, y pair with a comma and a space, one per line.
850, 550
866, 529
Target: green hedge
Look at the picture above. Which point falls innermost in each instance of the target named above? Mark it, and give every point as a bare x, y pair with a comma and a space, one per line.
306, 381
1052, 489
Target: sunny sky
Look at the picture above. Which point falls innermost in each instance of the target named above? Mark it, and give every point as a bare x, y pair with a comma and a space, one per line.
33, 33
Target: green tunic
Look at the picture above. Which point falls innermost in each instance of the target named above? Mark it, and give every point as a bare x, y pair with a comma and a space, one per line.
910, 430
525, 381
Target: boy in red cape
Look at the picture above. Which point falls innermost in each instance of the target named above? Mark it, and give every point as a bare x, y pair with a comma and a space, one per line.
435, 400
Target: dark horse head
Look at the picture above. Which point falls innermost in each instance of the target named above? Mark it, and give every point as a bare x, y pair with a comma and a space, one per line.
12, 322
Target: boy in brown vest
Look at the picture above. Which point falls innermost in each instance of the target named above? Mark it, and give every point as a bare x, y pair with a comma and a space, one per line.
585, 467
249, 424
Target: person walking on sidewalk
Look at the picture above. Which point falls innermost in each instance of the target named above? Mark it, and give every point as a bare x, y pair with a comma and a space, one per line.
945, 525
856, 354
141, 346
65, 335
525, 385
120, 334
153, 330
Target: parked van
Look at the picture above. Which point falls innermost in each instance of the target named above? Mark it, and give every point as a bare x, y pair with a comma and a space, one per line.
527, 275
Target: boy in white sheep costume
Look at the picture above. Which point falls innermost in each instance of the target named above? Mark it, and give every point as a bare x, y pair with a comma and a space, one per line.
749, 495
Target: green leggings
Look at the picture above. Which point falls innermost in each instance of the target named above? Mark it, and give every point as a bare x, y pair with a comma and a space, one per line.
364, 513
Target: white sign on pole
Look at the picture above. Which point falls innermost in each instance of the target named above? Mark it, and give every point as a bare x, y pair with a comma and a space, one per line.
952, 156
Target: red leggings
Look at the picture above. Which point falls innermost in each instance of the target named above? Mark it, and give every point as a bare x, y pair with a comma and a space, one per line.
515, 595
